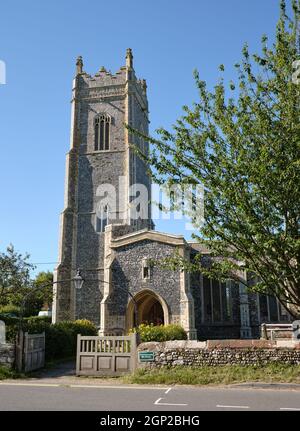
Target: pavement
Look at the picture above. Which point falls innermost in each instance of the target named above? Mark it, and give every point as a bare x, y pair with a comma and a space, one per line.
60, 390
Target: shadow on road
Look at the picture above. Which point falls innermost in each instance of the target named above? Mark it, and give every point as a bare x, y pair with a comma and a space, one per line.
63, 369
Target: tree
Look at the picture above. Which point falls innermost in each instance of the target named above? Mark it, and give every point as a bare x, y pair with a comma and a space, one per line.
244, 148
14, 276
16, 284
43, 294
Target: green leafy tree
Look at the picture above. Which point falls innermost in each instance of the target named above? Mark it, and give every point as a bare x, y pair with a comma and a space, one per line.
15, 278
42, 294
241, 141
16, 284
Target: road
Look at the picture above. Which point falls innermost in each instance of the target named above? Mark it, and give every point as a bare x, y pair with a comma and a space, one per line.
37, 396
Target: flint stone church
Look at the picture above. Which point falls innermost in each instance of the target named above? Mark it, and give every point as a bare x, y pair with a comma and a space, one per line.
113, 250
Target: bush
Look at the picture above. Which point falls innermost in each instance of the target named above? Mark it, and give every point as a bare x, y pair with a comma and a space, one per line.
61, 338
161, 333
33, 325
36, 325
10, 309
8, 373
11, 326
175, 332
8, 319
32, 320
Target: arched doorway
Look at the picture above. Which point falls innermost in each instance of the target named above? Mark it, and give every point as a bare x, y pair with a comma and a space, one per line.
151, 309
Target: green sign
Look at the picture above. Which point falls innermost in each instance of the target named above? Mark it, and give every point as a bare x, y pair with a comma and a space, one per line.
146, 356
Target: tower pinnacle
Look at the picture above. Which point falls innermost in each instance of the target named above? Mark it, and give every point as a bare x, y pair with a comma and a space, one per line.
79, 65
129, 58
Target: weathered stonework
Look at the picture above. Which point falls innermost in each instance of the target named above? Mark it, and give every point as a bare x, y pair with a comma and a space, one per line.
7, 355
195, 354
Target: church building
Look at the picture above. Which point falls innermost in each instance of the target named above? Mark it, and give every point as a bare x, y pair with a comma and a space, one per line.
113, 249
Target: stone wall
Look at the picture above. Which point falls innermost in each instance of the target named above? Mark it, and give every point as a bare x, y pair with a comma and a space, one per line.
7, 354
216, 353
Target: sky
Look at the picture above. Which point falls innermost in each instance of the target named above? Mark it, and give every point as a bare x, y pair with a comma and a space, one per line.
39, 43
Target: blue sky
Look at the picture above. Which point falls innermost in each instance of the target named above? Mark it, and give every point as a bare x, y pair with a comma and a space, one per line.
39, 42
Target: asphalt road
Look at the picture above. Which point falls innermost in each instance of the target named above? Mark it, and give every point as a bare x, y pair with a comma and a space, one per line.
30, 396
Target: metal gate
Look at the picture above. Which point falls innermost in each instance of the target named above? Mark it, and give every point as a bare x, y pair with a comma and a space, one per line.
106, 356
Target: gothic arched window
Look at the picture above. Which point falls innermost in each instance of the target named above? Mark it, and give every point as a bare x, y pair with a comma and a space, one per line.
102, 132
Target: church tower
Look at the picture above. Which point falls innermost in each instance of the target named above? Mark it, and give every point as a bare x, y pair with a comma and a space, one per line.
101, 171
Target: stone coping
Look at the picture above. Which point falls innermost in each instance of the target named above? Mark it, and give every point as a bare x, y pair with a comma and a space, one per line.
254, 344
166, 345
145, 234
220, 344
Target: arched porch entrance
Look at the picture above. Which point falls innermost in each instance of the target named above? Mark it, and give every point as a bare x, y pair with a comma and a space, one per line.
151, 309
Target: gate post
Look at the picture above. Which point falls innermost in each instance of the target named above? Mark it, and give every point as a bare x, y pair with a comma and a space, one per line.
19, 350
78, 355
25, 352
296, 330
264, 332
134, 343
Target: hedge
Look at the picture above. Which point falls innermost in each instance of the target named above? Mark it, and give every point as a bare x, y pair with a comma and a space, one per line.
33, 325
10, 309
60, 337
160, 333
11, 324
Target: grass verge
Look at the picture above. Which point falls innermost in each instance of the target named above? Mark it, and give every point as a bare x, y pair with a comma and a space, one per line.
271, 373
8, 373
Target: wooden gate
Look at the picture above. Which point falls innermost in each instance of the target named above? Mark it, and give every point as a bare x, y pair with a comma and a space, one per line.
34, 351
30, 352
105, 356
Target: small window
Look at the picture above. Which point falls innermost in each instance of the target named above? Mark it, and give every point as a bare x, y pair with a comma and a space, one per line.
102, 132
102, 221
146, 270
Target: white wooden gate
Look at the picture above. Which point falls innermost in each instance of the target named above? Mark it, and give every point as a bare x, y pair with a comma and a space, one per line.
105, 356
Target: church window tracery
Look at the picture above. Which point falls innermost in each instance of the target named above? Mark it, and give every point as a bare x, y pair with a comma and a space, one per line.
217, 302
102, 125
